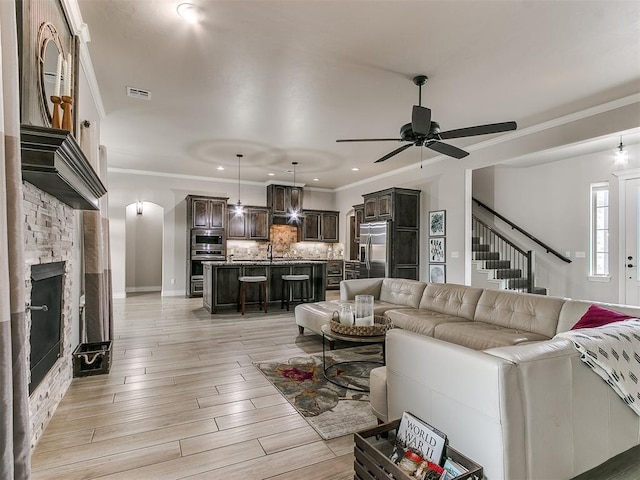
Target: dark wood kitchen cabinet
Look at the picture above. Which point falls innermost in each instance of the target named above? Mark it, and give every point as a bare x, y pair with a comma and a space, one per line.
202, 213
358, 212
378, 206
402, 207
283, 199
252, 225
320, 226
221, 280
335, 273
206, 212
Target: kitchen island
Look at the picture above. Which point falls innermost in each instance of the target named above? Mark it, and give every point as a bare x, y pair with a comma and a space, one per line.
221, 286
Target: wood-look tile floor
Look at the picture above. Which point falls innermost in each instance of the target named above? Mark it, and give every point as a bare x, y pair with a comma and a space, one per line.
183, 400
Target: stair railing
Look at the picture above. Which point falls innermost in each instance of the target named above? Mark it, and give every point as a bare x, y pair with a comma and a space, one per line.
518, 258
546, 247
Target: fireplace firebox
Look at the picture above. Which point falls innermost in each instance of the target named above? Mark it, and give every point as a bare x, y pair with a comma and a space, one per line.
46, 319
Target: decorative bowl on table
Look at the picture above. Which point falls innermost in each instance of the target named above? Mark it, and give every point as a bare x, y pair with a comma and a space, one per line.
381, 324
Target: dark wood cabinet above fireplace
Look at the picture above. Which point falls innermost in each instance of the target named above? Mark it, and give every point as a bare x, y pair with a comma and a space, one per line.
53, 162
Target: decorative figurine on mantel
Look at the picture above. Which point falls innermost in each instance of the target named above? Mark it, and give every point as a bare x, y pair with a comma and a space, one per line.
55, 98
67, 100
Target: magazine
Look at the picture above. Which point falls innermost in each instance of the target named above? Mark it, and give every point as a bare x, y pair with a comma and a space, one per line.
452, 469
419, 447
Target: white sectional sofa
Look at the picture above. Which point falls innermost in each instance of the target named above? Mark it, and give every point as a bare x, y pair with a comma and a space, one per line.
389, 293
483, 367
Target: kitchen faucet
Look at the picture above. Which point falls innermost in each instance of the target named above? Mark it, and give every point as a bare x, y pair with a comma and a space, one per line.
270, 252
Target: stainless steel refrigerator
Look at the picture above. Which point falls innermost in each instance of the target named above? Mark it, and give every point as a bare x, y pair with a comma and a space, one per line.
374, 250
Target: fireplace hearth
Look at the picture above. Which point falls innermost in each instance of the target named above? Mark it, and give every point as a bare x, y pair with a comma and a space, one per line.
46, 319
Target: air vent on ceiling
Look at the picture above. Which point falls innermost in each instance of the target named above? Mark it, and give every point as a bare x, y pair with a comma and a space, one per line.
138, 93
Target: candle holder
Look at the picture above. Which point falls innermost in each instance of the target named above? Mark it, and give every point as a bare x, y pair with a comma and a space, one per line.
55, 120
364, 310
67, 124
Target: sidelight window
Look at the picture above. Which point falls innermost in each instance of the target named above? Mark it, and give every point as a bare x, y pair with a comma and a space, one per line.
599, 247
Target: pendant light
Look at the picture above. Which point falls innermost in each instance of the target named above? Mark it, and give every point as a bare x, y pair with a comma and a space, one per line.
622, 156
294, 213
239, 209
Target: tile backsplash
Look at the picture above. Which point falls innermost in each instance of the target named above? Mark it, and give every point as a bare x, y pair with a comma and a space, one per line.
284, 240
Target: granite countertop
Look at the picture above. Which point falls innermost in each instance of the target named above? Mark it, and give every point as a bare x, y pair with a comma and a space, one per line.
264, 262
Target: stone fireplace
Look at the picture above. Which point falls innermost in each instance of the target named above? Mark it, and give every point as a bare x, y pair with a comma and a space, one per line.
49, 235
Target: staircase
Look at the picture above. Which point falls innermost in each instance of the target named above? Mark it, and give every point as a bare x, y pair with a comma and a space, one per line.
495, 273
500, 263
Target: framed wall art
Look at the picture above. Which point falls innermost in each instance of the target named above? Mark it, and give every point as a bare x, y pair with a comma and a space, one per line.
437, 250
437, 223
438, 273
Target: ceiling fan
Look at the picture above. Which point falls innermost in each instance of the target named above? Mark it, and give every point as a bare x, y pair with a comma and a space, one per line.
422, 131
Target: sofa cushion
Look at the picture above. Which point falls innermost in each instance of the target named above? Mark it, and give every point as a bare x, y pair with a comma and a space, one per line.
451, 299
420, 320
401, 291
480, 335
378, 393
381, 308
314, 315
597, 316
360, 286
519, 311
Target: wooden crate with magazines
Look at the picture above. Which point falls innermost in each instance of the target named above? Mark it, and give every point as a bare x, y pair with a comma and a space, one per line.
373, 448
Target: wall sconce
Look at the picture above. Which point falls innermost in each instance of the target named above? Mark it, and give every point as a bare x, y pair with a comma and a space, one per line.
622, 156
139, 208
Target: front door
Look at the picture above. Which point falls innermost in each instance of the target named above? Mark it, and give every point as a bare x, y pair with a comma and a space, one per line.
631, 247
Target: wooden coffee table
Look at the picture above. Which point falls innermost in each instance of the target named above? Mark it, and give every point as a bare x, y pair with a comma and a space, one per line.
330, 336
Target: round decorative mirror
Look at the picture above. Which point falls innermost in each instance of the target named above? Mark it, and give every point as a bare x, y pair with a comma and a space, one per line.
49, 67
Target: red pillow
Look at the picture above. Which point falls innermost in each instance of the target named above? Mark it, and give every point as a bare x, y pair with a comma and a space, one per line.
597, 316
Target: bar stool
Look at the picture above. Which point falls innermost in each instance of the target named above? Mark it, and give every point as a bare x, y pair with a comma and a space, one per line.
262, 291
288, 281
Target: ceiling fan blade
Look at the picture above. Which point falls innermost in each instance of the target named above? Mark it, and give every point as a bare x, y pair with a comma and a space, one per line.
369, 140
447, 149
420, 120
478, 130
395, 152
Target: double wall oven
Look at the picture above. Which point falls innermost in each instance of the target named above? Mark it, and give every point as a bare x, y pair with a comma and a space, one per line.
206, 245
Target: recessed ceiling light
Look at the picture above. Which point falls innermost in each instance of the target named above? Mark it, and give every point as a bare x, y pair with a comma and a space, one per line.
221, 168
316, 179
271, 174
190, 12
355, 169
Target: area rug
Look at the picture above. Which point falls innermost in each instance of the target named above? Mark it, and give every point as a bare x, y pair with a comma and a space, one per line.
332, 410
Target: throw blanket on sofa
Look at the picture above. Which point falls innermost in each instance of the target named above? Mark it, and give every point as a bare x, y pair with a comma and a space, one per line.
613, 352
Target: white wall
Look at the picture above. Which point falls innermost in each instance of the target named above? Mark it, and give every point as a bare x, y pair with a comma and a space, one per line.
143, 255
